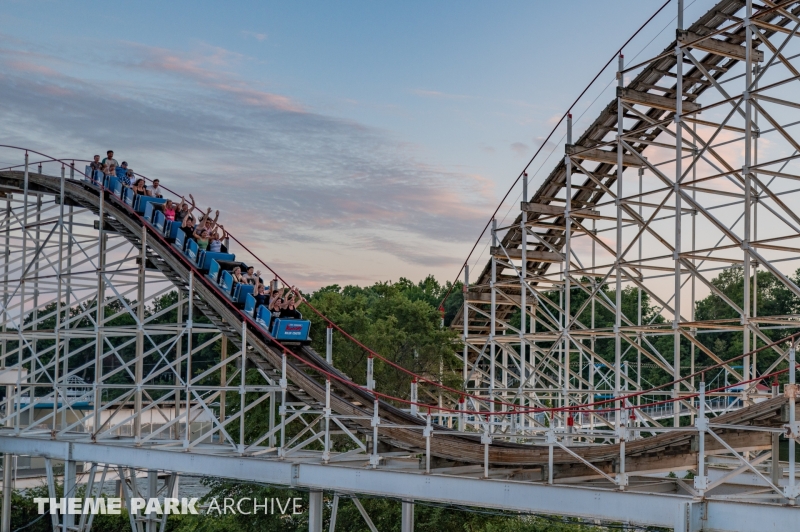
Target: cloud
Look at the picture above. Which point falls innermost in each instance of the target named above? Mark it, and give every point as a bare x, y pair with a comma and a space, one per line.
539, 141
212, 67
260, 37
519, 148
289, 180
409, 254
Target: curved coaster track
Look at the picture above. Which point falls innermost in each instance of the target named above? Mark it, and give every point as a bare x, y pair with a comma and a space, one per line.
104, 366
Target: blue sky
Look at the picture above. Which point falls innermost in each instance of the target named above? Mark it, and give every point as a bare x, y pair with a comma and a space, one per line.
349, 142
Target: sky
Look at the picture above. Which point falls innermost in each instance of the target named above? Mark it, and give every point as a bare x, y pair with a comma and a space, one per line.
343, 142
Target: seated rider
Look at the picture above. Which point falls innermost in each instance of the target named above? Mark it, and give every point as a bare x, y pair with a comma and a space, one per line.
276, 294
140, 188
275, 308
290, 311
262, 298
237, 275
187, 222
109, 163
156, 191
127, 176
215, 246
252, 277
169, 210
97, 168
201, 237
183, 209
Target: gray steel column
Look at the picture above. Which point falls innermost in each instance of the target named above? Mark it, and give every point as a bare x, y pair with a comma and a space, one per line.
70, 486
315, 511
59, 310
139, 364
8, 460
100, 317
152, 492
748, 193
676, 368
565, 324
639, 300
22, 270
523, 294
776, 472
187, 436
407, 516
7, 464
6, 260
223, 381
493, 327
178, 354
35, 319
464, 368
617, 267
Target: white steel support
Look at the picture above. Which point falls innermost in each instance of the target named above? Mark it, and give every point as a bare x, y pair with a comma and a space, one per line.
565, 324
315, 511
618, 265
407, 516
676, 321
110, 338
748, 200
8, 460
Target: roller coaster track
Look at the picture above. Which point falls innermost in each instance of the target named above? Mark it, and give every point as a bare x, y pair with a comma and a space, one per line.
498, 434
647, 129
352, 402
655, 116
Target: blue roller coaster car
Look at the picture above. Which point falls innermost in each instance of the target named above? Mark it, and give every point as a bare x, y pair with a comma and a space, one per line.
283, 330
291, 330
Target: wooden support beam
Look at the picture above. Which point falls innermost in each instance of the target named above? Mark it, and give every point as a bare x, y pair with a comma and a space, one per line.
600, 156
654, 101
557, 210
486, 297
715, 46
530, 255
670, 458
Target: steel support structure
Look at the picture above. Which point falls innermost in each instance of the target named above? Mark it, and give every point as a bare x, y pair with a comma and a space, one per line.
119, 356
660, 196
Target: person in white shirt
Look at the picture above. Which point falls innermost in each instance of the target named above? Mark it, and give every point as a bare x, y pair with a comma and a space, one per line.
109, 163
156, 191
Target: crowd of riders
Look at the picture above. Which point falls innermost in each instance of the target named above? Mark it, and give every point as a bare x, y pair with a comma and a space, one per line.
209, 234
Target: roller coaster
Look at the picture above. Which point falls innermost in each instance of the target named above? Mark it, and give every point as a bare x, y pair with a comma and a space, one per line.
125, 348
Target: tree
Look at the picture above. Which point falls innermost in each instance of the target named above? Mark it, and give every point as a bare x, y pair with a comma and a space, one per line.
400, 321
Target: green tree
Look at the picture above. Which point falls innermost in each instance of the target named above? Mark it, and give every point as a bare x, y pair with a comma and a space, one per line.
400, 321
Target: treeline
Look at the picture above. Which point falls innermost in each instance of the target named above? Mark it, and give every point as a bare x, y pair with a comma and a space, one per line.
402, 321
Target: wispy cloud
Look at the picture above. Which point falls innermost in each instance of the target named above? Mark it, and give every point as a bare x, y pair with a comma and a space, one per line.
539, 141
212, 67
253, 35
293, 181
519, 148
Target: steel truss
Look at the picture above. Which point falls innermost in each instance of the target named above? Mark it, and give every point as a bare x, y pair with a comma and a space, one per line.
664, 191
118, 354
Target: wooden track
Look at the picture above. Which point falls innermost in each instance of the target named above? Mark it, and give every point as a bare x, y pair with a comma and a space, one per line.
669, 451
603, 129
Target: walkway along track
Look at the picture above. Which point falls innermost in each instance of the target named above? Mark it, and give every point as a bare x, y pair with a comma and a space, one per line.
668, 451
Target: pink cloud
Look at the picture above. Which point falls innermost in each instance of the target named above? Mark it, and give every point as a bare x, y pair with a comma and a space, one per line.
209, 70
